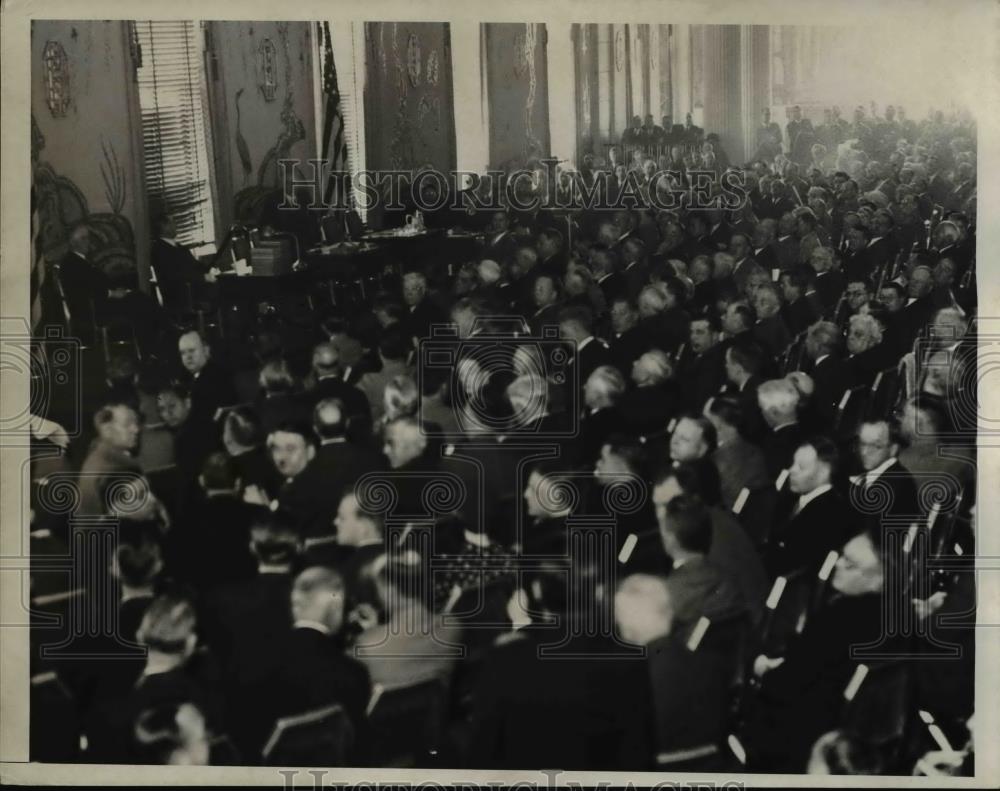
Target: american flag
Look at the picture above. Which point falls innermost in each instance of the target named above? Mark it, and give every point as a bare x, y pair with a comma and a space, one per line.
335, 152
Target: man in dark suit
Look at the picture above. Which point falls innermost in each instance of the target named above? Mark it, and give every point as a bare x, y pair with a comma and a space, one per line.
762, 244
787, 244
702, 366
770, 330
697, 587
211, 385
298, 491
84, 286
826, 367
195, 436
421, 311
546, 301
499, 244
328, 374
779, 404
636, 270
211, 546
604, 263
857, 263
829, 283
175, 268
340, 460
628, 340
239, 612
920, 307
818, 521
797, 311
589, 353
602, 392
802, 692
744, 362
527, 709
316, 671
740, 463
883, 476
720, 233
551, 253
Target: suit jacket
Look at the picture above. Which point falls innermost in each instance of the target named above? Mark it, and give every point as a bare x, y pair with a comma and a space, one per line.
772, 334
741, 465
421, 317
798, 315
767, 257
648, 410
587, 360
499, 248
528, 711
703, 375
831, 377
803, 697
612, 285
315, 672
174, 266
719, 237
698, 588
788, 252
279, 408
803, 540
627, 348
830, 285
210, 389
779, 447
735, 555
897, 485
545, 317
595, 428
858, 265
743, 270
636, 278
85, 287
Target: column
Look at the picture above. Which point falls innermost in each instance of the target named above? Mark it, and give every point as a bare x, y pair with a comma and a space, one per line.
472, 138
723, 88
755, 66
653, 70
605, 89
562, 92
681, 65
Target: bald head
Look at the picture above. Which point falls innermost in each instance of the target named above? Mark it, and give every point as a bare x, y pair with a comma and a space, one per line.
326, 360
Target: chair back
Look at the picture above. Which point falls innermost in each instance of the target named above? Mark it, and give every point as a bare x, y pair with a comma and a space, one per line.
54, 729
321, 737
407, 723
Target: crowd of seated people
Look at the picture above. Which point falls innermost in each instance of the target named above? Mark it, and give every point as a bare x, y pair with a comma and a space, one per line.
644, 505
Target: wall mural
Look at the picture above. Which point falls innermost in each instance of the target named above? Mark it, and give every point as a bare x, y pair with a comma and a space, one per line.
62, 207
408, 96
241, 144
517, 90
55, 70
249, 202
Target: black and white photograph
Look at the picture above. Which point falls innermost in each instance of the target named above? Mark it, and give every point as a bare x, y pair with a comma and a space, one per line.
593, 392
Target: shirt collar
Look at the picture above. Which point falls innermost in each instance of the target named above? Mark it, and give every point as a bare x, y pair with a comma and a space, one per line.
821, 358
873, 474
171, 242
807, 498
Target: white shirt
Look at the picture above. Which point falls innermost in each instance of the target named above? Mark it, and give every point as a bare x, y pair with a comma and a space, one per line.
171, 242
807, 498
820, 359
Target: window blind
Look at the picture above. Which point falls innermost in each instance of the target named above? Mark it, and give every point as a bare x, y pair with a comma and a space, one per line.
175, 144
